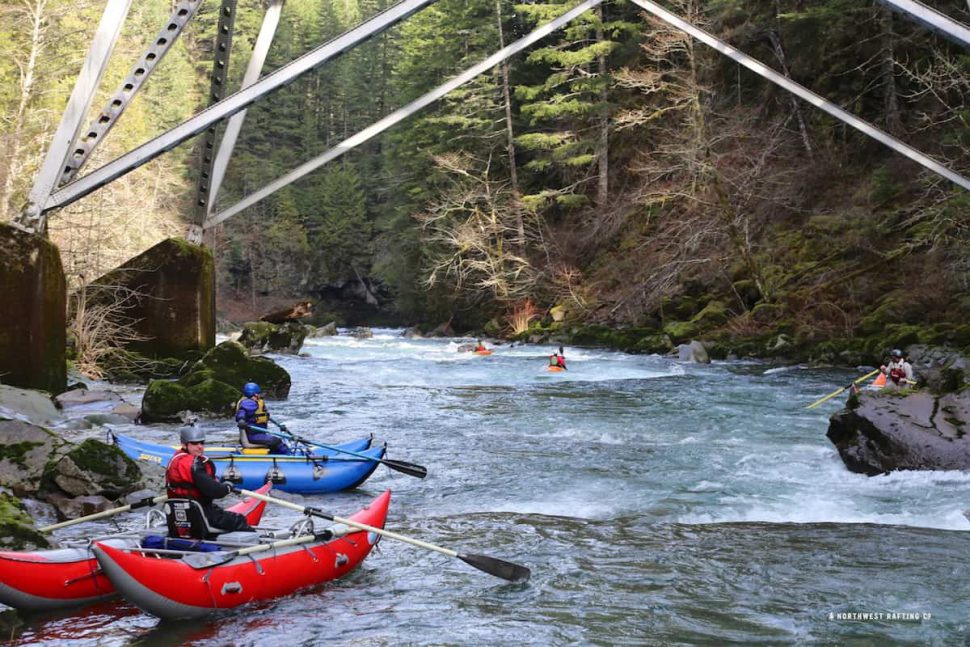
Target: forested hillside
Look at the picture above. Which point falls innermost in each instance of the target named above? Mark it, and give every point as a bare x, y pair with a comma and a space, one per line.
641, 186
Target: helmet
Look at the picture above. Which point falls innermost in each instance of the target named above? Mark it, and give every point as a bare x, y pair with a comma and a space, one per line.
896, 353
191, 434
250, 389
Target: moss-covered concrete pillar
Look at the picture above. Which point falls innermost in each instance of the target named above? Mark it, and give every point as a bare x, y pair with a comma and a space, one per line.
171, 290
33, 326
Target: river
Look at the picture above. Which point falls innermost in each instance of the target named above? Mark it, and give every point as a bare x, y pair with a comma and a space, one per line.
656, 503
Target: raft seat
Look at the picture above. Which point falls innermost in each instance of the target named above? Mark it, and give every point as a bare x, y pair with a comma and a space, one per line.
250, 447
186, 519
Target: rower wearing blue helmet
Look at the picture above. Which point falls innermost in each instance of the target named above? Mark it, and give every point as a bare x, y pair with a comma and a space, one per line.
251, 411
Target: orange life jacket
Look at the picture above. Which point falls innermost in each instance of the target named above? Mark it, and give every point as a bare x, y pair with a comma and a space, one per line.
178, 476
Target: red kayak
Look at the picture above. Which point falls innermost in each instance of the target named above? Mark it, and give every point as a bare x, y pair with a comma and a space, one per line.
64, 577
197, 584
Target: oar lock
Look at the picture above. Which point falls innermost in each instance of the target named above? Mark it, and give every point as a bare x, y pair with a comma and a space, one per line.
275, 475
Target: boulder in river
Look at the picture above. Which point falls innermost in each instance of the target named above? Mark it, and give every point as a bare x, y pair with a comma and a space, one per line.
898, 431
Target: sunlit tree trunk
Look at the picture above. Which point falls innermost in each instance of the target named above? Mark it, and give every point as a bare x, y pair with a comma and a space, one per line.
32, 15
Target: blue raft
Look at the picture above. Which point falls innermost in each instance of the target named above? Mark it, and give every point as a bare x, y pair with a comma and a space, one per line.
321, 471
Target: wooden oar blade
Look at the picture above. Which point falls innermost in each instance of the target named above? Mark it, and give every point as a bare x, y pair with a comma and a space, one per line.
411, 469
498, 567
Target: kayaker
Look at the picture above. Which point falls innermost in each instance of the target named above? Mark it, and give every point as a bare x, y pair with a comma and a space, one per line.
898, 370
251, 410
480, 346
190, 475
558, 359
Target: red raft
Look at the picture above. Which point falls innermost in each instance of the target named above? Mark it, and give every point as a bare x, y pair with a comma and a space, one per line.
199, 584
64, 577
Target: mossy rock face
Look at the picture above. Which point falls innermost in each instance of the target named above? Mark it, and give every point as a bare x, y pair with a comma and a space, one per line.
215, 397
683, 307
17, 530
680, 331
165, 401
25, 450
93, 468
748, 292
714, 314
162, 402
659, 343
897, 307
230, 363
264, 337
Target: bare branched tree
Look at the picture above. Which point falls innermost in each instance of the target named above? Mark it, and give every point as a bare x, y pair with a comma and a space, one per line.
475, 228
101, 326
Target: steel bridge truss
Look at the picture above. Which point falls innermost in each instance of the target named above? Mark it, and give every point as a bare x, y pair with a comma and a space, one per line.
46, 197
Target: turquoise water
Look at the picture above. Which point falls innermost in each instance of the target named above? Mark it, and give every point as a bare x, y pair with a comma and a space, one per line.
655, 502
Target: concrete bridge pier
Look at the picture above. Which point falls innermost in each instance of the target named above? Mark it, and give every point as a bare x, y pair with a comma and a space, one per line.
33, 329
166, 295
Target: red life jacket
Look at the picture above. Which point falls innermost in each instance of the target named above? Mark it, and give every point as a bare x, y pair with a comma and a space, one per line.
560, 361
178, 476
897, 374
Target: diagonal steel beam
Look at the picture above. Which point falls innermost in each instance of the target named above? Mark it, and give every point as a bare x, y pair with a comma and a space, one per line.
67, 131
139, 73
804, 93
267, 31
217, 85
402, 113
932, 18
233, 104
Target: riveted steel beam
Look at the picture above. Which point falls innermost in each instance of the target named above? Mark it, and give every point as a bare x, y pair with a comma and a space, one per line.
136, 77
217, 90
233, 104
228, 142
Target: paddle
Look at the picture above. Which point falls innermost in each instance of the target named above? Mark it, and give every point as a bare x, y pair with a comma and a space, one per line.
142, 503
492, 566
835, 393
411, 469
208, 560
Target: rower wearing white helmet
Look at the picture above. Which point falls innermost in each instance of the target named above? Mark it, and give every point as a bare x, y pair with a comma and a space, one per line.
898, 370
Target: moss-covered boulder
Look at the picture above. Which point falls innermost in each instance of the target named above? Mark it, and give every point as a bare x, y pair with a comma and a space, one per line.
260, 337
214, 385
17, 531
165, 401
680, 331
714, 314
92, 468
25, 450
228, 362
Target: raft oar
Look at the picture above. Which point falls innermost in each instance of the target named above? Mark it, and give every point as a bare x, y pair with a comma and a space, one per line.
208, 560
142, 503
492, 566
411, 469
835, 393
